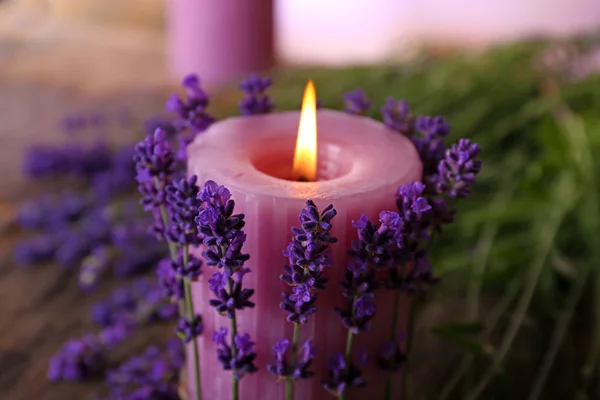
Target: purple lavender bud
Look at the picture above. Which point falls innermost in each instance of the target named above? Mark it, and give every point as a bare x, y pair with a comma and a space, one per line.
256, 101
458, 170
397, 116
243, 362
149, 375
191, 111
113, 335
391, 357
357, 318
140, 303
78, 359
356, 102
183, 203
221, 230
229, 299
154, 156
308, 255
342, 375
192, 270
280, 368
34, 251
188, 330
411, 202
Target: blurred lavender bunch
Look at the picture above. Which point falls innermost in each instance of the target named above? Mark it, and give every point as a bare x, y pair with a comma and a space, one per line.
308, 255
153, 374
223, 236
85, 357
142, 302
78, 228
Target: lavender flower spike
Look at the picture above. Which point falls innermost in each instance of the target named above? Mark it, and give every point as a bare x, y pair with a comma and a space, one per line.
182, 200
356, 102
256, 101
240, 361
191, 110
458, 169
308, 256
397, 116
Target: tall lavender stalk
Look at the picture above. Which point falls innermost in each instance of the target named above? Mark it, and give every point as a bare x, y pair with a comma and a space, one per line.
224, 238
174, 205
308, 255
447, 173
373, 250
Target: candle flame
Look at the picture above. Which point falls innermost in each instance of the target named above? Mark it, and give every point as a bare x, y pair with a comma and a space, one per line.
305, 158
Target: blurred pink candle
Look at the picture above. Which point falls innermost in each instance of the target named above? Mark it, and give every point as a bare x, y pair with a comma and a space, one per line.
219, 40
361, 163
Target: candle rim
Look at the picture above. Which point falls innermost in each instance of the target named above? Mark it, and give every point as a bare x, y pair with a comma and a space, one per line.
230, 165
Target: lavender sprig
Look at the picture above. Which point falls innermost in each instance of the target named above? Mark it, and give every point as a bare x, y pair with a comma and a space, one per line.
356, 102
308, 255
140, 303
224, 239
238, 356
374, 249
183, 206
85, 357
256, 101
174, 205
397, 116
191, 110
343, 374
152, 374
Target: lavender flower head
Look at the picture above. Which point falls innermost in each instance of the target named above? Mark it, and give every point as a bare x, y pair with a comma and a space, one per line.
84, 357
229, 299
356, 102
155, 163
149, 375
183, 205
397, 116
242, 363
191, 111
256, 101
221, 229
343, 374
429, 141
168, 281
308, 255
458, 169
188, 330
300, 370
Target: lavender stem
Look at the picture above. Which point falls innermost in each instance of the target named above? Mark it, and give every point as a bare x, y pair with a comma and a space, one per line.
173, 252
191, 315
289, 382
393, 336
349, 343
394, 333
235, 395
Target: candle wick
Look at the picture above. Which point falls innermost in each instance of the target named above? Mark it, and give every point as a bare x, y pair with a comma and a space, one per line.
302, 179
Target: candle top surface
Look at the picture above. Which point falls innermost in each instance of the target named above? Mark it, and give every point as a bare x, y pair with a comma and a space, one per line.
254, 154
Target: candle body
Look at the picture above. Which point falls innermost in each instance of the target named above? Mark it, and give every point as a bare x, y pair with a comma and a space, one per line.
219, 40
366, 163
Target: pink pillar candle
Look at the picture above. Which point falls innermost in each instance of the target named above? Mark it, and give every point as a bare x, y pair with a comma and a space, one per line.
219, 40
361, 163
